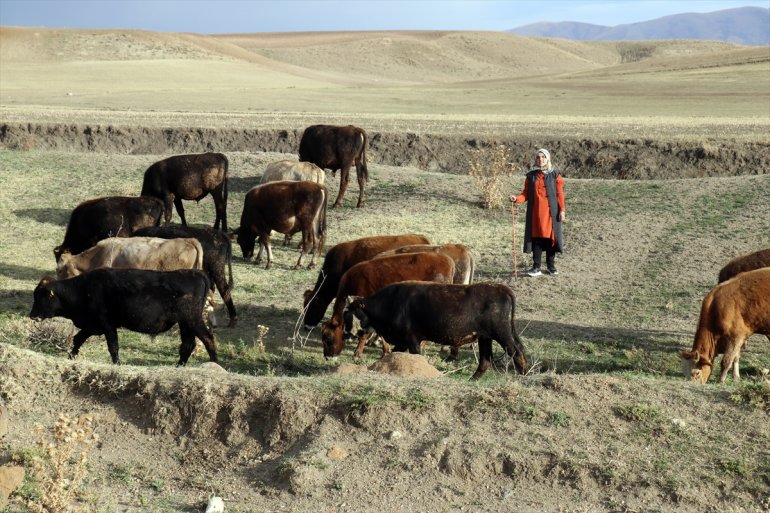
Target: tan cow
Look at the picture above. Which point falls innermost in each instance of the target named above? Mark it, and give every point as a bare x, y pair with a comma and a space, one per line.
729, 315
460, 253
148, 253
294, 171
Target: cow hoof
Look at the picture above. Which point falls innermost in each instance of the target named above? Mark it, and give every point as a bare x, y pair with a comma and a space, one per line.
337, 205
311, 266
72, 356
297, 267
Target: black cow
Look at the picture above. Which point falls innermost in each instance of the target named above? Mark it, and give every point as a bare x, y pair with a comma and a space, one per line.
285, 207
189, 177
110, 216
217, 251
409, 312
337, 147
101, 301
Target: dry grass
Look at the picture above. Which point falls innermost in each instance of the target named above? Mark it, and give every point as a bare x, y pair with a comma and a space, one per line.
489, 169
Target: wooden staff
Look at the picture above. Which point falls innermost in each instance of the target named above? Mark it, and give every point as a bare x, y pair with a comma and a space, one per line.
513, 237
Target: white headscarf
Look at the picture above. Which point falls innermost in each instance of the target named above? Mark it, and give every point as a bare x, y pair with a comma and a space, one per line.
548, 167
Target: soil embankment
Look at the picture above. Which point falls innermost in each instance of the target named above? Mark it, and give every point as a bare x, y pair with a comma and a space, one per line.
578, 158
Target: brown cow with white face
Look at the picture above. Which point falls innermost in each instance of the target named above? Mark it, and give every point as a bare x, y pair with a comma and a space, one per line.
729, 315
284, 207
189, 177
337, 147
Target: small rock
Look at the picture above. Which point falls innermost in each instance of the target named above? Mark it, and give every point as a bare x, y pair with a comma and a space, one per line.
215, 505
395, 435
212, 366
336, 453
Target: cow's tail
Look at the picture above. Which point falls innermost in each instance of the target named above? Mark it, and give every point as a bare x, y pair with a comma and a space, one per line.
224, 188
199, 256
519, 356
229, 256
321, 222
363, 170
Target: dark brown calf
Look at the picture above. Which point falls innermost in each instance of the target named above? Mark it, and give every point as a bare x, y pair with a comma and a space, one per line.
189, 177
337, 147
285, 207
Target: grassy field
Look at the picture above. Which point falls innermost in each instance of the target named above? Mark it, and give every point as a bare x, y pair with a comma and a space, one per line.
605, 422
640, 257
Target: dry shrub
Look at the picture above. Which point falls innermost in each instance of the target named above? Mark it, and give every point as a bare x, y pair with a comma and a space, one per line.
488, 168
38, 334
64, 465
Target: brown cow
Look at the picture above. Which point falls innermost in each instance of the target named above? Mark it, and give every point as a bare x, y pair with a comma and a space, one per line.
149, 253
460, 253
743, 263
285, 207
339, 259
293, 171
189, 177
729, 315
369, 276
337, 147
110, 216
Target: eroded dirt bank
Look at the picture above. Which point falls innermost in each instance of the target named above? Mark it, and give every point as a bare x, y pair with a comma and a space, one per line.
577, 158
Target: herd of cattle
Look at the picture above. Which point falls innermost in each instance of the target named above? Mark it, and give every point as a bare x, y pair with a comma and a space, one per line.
122, 265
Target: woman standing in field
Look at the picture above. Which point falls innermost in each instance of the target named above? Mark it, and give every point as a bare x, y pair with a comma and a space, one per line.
544, 194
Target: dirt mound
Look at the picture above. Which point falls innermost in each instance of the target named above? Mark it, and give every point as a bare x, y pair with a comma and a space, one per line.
577, 158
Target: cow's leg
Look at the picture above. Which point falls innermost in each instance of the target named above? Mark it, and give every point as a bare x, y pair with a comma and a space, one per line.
168, 207
77, 341
268, 250
306, 237
344, 177
511, 343
361, 185
220, 207
180, 210
730, 358
112, 345
207, 337
188, 344
485, 357
227, 297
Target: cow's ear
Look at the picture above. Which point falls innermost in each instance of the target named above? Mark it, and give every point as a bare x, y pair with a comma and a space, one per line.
686, 355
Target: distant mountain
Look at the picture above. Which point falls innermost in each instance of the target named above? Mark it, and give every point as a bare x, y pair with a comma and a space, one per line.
743, 26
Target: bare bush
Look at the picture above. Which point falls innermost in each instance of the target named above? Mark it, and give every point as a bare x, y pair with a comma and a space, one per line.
64, 465
488, 168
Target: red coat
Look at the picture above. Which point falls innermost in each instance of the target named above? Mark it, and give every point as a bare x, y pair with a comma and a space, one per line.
540, 220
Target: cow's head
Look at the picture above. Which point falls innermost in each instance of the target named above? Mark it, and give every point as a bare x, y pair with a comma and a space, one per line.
46, 302
66, 267
331, 336
696, 366
246, 240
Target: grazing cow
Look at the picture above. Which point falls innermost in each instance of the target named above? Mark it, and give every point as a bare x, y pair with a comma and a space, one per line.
148, 253
729, 315
293, 171
337, 147
285, 207
101, 301
110, 216
339, 259
217, 252
189, 177
369, 276
407, 313
749, 262
460, 253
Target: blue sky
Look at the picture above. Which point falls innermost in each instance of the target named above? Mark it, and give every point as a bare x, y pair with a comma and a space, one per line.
231, 16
